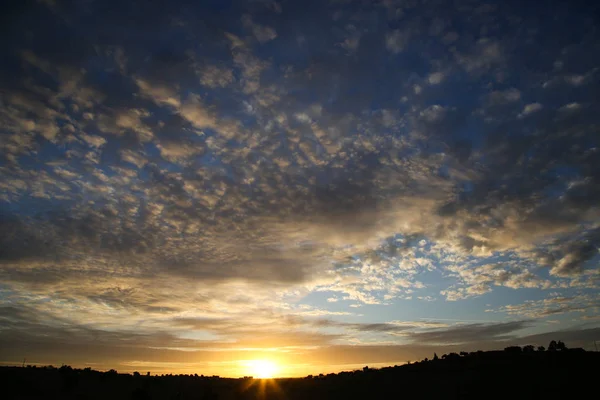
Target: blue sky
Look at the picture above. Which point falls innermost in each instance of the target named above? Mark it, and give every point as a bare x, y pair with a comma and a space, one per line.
189, 185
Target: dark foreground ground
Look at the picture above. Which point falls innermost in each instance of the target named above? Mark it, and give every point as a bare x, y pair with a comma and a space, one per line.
566, 374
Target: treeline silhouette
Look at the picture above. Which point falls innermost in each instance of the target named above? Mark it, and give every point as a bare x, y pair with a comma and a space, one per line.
516, 372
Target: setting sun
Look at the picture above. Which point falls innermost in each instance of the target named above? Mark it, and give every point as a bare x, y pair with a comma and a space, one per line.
262, 368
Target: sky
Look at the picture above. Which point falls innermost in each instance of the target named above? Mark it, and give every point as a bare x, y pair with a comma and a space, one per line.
192, 186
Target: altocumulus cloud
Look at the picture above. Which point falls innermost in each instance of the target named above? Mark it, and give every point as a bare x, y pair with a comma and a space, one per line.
188, 178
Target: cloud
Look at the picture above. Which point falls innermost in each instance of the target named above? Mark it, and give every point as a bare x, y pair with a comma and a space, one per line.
551, 306
504, 96
435, 78
197, 114
133, 157
158, 93
169, 170
178, 151
485, 53
351, 44
530, 109
433, 114
160, 350
128, 120
480, 279
213, 76
568, 257
396, 41
262, 33
93, 140
470, 333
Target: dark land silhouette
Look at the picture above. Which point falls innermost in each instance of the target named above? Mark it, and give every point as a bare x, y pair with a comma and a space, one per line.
513, 373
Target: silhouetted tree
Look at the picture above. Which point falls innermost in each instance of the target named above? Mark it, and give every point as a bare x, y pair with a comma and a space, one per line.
65, 368
561, 346
541, 348
435, 357
552, 346
69, 377
528, 349
512, 349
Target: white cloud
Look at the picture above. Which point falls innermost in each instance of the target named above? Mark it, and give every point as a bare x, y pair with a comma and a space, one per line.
486, 54
213, 76
133, 157
396, 41
570, 107
500, 97
159, 93
433, 113
551, 306
197, 113
93, 140
530, 109
435, 78
178, 151
125, 120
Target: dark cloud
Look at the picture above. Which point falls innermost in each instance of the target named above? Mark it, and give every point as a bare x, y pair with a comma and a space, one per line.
18, 242
569, 256
470, 333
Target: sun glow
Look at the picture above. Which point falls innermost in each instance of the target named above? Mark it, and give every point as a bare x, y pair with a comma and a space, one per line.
263, 369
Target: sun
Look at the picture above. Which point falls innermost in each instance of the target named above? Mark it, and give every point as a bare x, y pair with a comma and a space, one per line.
263, 369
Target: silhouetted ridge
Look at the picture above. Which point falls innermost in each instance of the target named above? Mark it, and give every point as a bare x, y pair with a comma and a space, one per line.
516, 372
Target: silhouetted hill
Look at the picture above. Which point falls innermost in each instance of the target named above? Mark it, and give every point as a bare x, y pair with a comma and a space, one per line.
514, 373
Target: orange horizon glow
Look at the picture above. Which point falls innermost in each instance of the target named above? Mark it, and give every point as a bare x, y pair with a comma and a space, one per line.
259, 368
